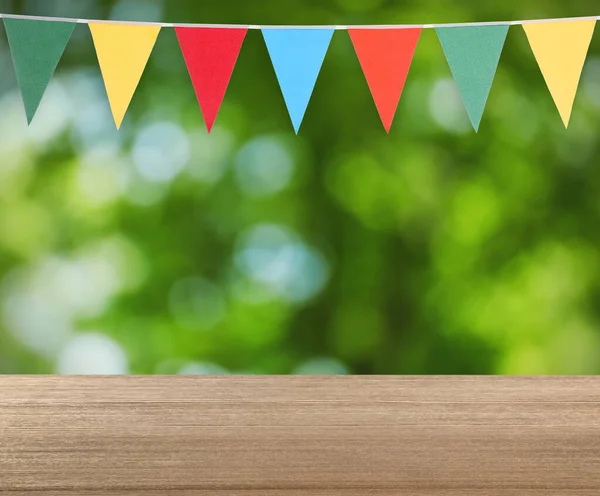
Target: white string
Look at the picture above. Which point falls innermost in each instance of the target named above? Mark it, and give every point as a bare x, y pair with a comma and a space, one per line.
334, 27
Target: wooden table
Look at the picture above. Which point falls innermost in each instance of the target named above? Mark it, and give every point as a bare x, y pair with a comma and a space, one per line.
300, 436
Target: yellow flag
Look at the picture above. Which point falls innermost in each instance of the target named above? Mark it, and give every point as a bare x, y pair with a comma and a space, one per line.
123, 51
560, 48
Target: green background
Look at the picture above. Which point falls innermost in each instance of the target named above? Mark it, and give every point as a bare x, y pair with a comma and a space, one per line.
431, 250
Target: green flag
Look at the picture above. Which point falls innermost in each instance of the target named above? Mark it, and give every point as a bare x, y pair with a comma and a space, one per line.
36, 48
473, 53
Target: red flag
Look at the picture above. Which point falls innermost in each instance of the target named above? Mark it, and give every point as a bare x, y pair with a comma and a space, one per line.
210, 55
385, 56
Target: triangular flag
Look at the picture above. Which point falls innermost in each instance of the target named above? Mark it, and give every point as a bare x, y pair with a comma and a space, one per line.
123, 51
36, 48
473, 53
385, 56
560, 49
210, 55
297, 56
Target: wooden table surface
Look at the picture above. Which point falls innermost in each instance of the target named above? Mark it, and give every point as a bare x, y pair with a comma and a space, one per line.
300, 436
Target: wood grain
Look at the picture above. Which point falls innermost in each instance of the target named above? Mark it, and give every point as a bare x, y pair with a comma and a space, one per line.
300, 436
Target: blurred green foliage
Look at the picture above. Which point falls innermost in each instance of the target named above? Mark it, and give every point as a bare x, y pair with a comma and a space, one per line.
161, 249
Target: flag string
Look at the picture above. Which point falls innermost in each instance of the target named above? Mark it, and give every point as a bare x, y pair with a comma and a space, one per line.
315, 26
385, 53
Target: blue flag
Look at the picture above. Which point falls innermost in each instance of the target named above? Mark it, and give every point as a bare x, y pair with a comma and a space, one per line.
297, 56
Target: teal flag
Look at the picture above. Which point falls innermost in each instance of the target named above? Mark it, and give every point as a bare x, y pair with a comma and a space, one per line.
473, 53
36, 48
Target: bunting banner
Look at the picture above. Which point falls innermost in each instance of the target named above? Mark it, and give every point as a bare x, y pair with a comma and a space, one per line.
36, 48
210, 55
385, 56
297, 53
473, 54
560, 49
297, 56
123, 51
